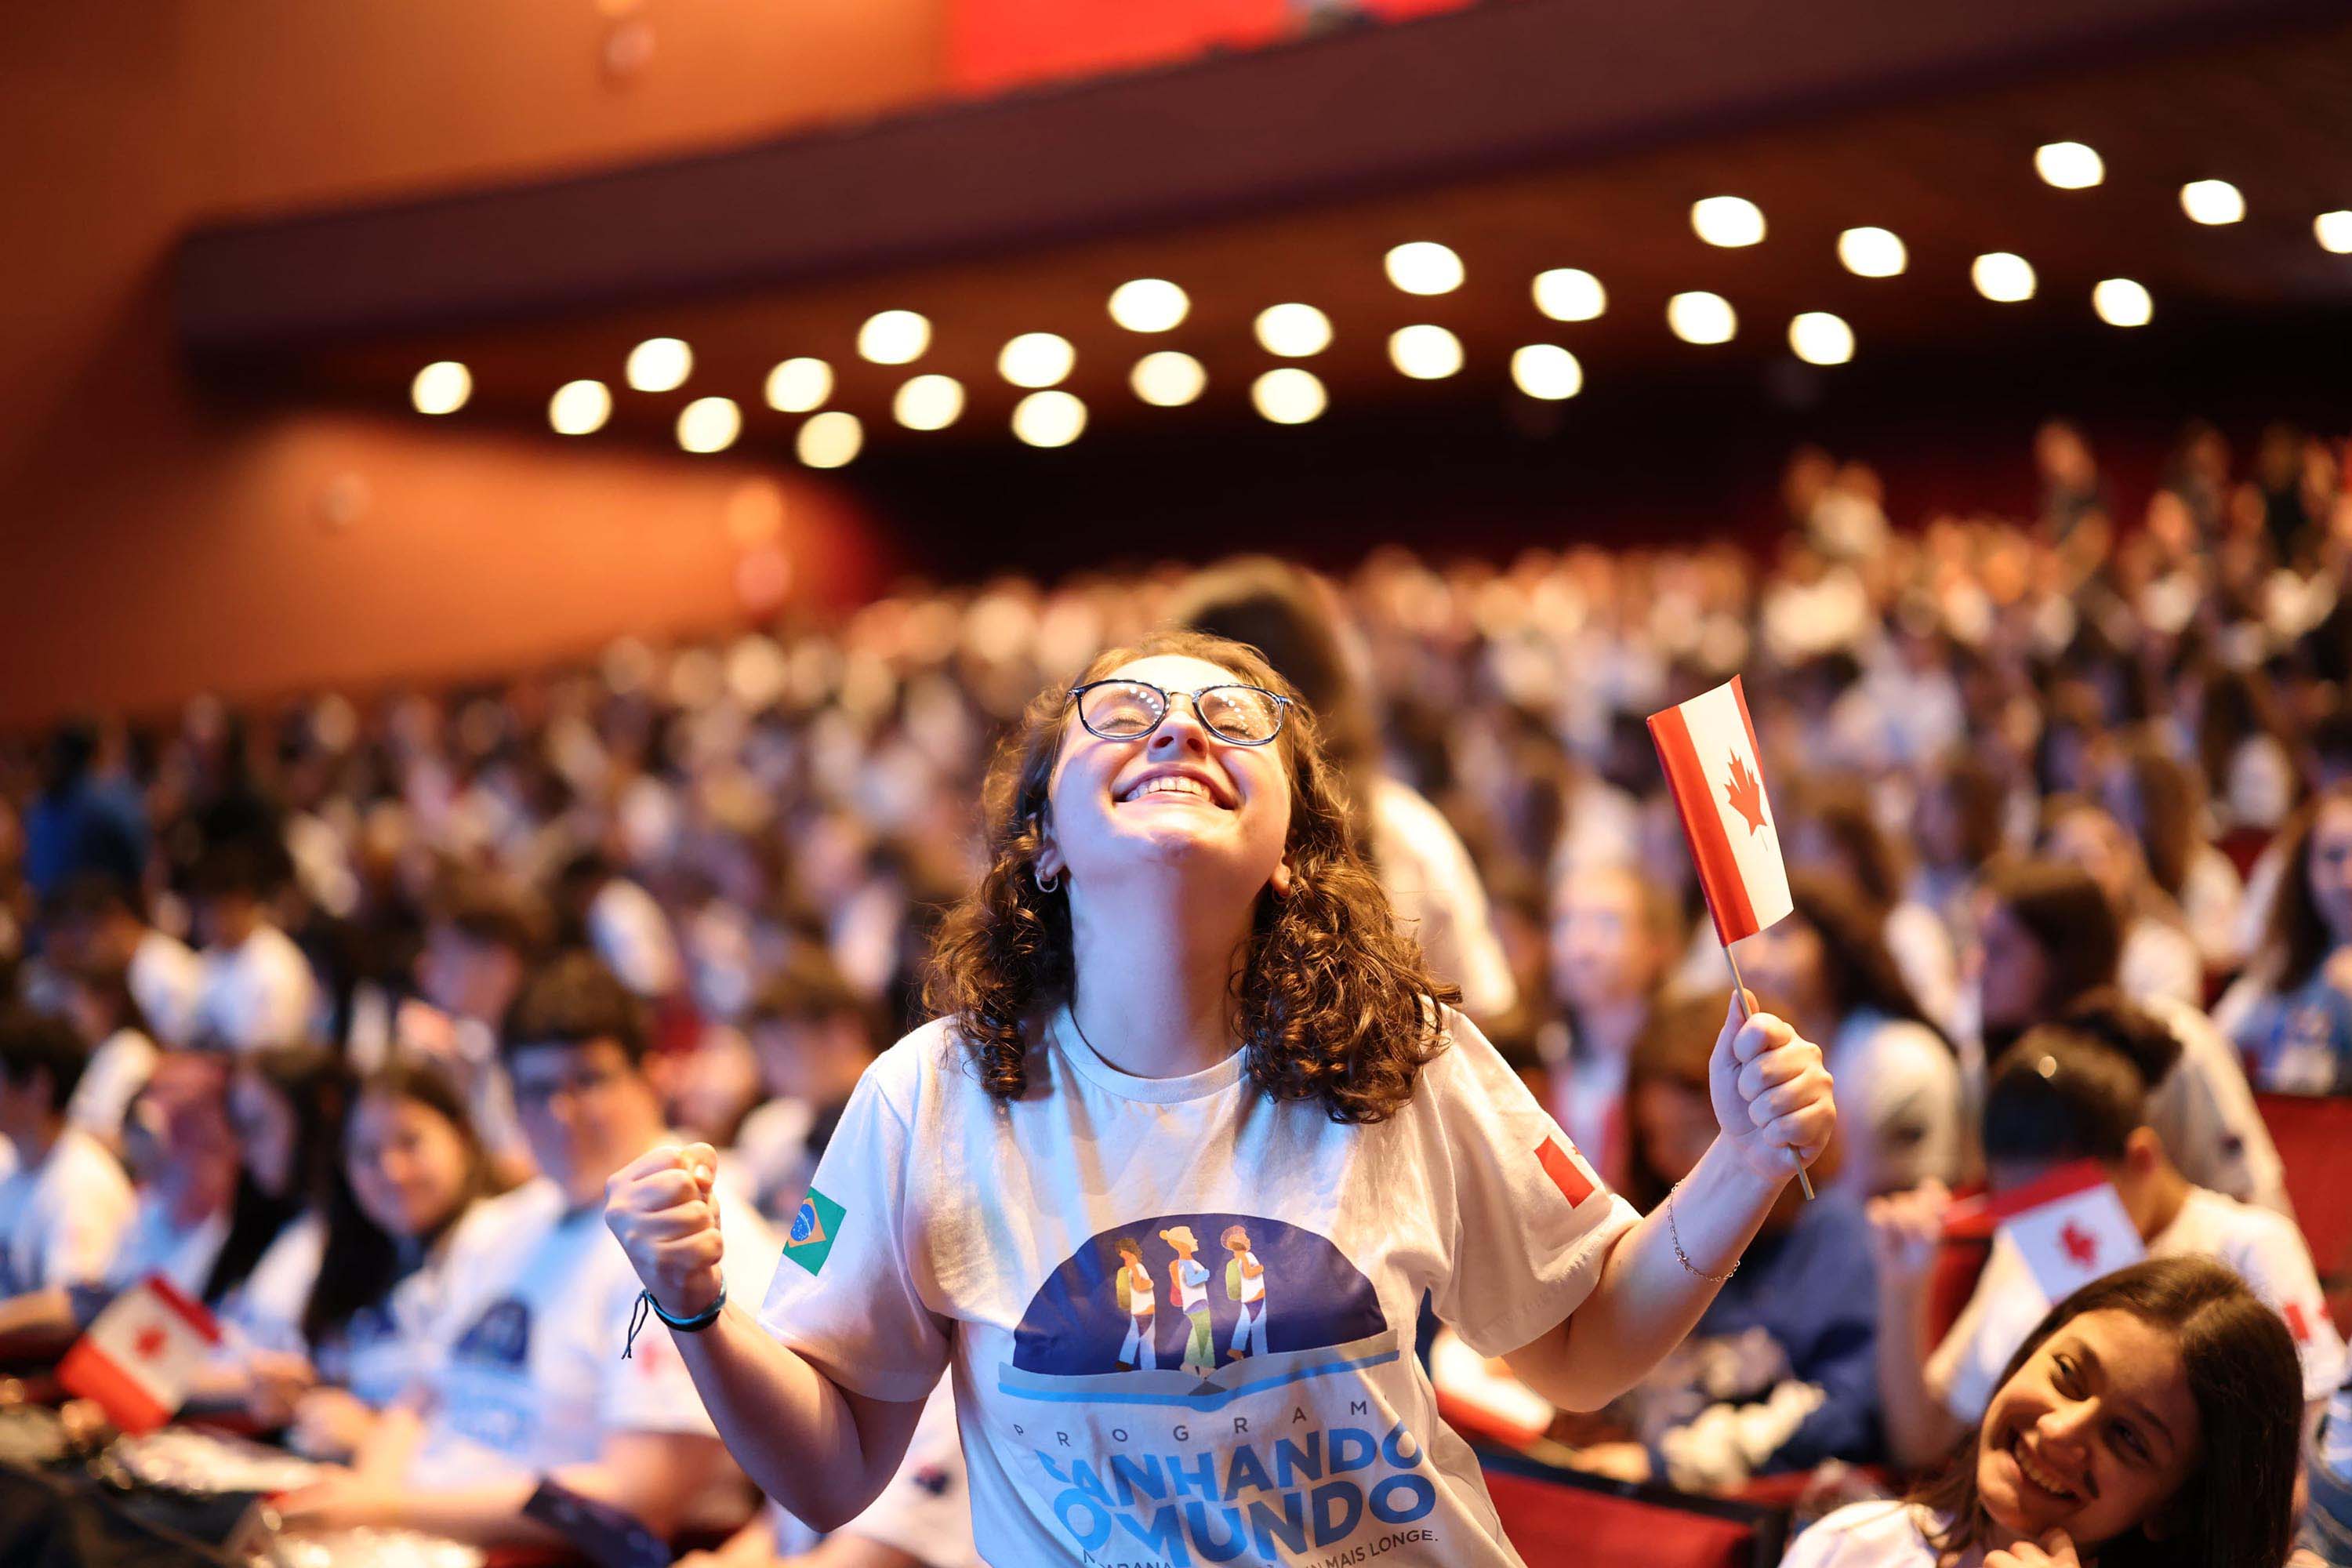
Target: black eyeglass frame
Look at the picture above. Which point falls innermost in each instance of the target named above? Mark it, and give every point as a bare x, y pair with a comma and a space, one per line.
1168, 705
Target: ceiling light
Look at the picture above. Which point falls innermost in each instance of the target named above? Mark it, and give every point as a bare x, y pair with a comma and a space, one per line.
660, 365
2069, 165
828, 440
1821, 338
1547, 371
709, 424
1049, 418
1699, 317
2002, 277
1425, 352
1873, 252
928, 402
1569, 294
798, 385
2334, 231
894, 337
441, 387
1149, 305
1728, 221
1036, 359
1288, 396
2121, 302
580, 407
2212, 201
1294, 331
1425, 266
1168, 379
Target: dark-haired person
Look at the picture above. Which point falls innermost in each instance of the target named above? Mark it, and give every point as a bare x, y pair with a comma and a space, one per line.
203, 1221
415, 1174
1179, 1002
2290, 1013
97, 997
2070, 1091
258, 989
1827, 969
1833, 830
1294, 620
2148, 1418
538, 1309
2160, 801
813, 1034
2159, 958
99, 924
1615, 932
2047, 939
65, 1204
1781, 1373
481, 942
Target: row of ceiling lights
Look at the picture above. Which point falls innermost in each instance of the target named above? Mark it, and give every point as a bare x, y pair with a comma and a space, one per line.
1291, 395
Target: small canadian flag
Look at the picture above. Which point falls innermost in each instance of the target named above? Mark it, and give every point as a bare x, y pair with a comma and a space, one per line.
1707, 746
2070, 1226
140, 1357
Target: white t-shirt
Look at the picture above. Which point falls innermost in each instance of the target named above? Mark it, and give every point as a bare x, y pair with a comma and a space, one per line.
772, 1149
118, 1070
61, 1220
944, 1227
2265, 1248
1903, 1118
1884, 1534
2160, 961
258, 994
1435, 889
267, 1306
537, 1311
2205, 1113
167, 980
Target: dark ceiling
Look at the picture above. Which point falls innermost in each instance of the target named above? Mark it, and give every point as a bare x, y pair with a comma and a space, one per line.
1944, 159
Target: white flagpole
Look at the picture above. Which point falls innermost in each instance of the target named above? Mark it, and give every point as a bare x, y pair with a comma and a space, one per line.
1740, 999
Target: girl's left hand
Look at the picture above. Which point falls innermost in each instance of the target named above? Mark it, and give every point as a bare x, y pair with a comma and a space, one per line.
1770, 1092
2052, 1550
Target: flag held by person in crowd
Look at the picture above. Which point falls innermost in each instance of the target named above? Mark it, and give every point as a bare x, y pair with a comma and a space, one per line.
1707, 746
2071, 1228
140, 1357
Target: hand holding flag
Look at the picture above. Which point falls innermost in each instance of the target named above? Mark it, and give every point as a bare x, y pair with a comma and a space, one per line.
1707, 746
1770, 1093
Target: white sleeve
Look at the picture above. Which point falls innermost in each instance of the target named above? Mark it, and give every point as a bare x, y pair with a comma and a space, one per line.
1530, 1223
268, 1308
118, 1070
2270, 1256
2204, 1111
846, 1292
84, 1233
1911, 1110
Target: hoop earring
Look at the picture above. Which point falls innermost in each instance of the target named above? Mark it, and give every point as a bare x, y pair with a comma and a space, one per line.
1043, 884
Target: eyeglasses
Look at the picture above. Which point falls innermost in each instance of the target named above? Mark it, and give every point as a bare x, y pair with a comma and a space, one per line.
1131, 710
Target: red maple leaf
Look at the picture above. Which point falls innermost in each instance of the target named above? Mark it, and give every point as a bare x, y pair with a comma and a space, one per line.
149, 1344
1746, 794
2080, 1244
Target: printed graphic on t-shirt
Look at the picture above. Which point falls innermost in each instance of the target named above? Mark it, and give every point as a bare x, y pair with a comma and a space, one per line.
1138, 1315
1227, 1334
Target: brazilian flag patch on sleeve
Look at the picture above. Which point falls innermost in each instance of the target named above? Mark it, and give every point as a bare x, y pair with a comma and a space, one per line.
814, 1228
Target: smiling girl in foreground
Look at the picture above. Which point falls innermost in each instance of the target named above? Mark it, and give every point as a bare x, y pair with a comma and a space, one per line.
1178, 1008
2149, 1421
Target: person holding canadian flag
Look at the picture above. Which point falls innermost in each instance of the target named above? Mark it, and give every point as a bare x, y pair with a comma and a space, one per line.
1179, 1002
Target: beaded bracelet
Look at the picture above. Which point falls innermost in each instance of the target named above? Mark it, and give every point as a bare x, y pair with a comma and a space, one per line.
694, 1325
1684, 1258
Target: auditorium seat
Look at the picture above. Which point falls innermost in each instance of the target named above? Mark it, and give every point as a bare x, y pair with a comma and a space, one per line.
1558, 1518
2314, 1136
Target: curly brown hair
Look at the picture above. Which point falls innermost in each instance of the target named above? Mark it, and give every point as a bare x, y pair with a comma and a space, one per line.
1332, 1000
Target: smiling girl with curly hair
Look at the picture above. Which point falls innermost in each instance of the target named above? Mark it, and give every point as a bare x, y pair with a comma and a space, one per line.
1178, 1003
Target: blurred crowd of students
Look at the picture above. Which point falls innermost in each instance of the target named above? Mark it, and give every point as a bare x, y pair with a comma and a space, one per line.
339, 1012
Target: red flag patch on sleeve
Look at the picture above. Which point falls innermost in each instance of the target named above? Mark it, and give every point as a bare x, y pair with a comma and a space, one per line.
1567, 1171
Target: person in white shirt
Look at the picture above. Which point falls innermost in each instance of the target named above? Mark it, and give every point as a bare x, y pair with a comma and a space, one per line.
257, 987
99, 923
1177, 1003
2070, 1091
1613, 933
65, 1206
2150, 1417
812, 1035
1826, 967
534, 1381
2158, 959
97, 997
1300, 625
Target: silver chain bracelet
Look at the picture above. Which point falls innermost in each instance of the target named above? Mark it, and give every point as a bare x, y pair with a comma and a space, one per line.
1684, 1258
